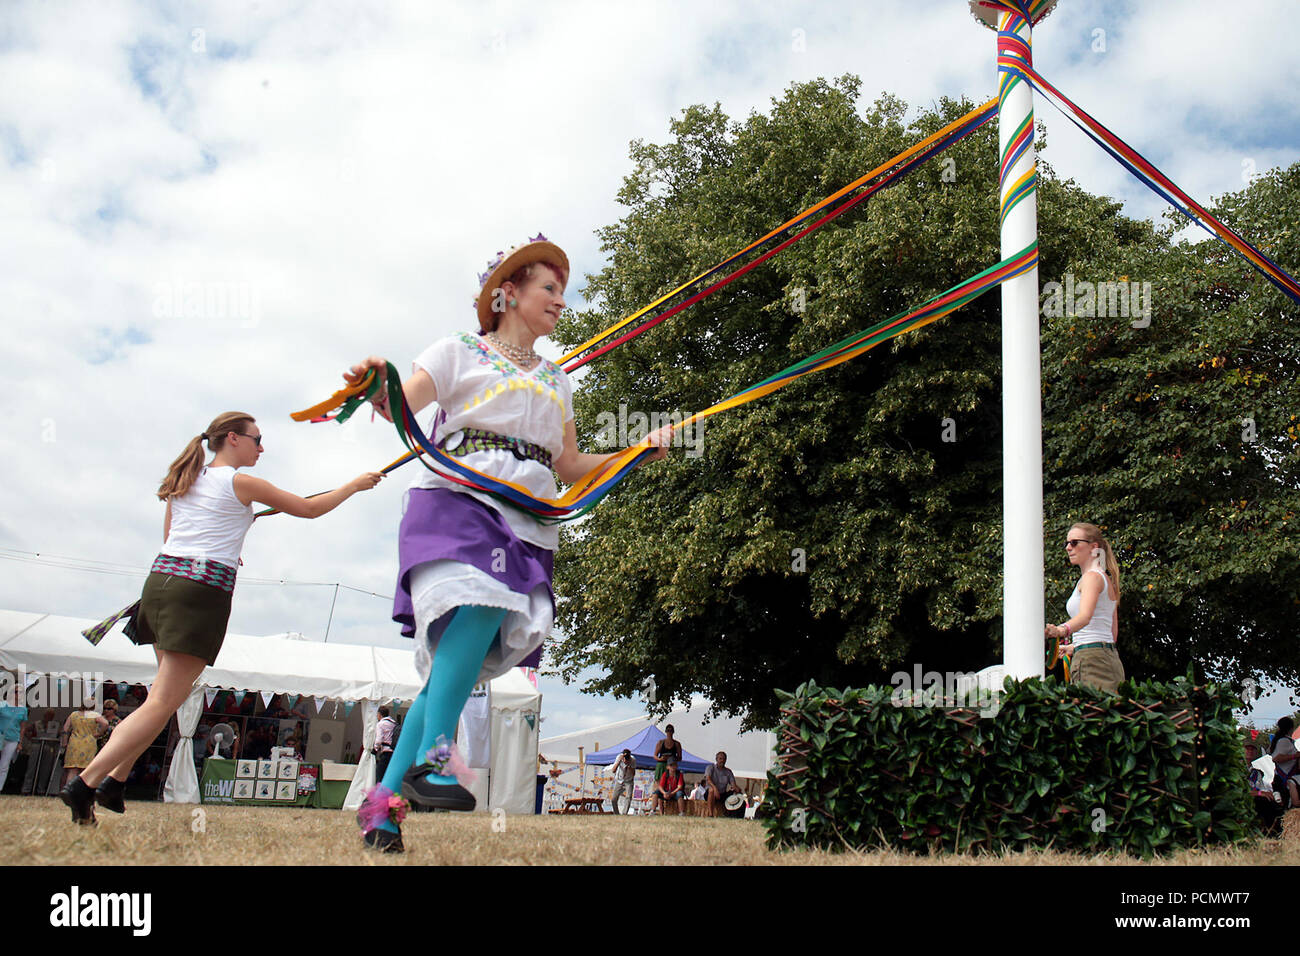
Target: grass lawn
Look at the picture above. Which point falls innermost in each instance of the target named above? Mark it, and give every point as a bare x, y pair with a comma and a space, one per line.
37, 831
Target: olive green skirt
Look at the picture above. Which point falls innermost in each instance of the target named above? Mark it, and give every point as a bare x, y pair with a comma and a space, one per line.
177, 614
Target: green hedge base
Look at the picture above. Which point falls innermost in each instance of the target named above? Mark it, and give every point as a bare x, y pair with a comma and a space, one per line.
1155, 768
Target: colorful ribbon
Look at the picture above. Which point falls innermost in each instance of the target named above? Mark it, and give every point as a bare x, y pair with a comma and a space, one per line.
894, 168
1155, 180
588, 490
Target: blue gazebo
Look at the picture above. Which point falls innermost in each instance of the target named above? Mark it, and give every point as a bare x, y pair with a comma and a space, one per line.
642, 746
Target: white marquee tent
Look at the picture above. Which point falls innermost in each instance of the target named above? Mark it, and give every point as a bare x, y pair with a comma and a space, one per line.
47, 644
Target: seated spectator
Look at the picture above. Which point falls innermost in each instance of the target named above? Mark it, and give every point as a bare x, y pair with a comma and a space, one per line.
1285, 757
1268, 803
721, 783
670, 787
701, 791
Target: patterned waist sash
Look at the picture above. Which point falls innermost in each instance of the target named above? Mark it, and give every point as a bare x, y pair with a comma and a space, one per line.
212, 573
465, 440
203, 570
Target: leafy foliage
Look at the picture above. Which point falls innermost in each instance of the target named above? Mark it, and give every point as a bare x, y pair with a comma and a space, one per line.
829, 532
1159, 768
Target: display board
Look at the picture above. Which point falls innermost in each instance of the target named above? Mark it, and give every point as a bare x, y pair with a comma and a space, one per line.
260, 782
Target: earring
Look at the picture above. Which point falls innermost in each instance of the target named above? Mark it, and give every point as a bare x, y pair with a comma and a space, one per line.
514, 303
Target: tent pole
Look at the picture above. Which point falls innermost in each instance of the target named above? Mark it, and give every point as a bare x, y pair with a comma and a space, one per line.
331, 620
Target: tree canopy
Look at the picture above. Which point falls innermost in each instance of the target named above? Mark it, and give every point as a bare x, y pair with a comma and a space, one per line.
850, 525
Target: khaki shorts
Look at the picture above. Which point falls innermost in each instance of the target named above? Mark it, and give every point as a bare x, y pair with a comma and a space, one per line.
1097, 665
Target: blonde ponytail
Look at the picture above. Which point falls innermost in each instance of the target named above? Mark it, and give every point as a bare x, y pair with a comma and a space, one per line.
185, 469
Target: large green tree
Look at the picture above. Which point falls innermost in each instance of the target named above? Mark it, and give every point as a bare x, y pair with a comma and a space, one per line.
850, 524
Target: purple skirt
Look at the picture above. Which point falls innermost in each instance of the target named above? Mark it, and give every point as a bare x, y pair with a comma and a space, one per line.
441, 524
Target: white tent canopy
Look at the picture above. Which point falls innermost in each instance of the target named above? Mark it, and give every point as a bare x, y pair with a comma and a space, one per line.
48, 644
749, 754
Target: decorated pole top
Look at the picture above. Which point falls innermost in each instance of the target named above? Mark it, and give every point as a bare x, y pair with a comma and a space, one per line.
987, 12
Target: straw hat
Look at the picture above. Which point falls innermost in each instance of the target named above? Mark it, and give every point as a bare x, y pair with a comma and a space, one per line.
506, 264
734, 801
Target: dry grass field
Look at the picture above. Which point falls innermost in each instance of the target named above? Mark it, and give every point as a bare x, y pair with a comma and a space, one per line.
37, 831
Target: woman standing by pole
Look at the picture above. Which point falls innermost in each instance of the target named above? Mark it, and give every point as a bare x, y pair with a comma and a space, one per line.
185, 605
1092, 630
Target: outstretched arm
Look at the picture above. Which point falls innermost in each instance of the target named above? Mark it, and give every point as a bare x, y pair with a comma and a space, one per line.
249, 489
573, 465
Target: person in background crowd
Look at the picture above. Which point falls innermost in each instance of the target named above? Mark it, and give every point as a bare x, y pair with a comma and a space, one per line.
79, 741
624, 778
11, 734
111, 718
668, 747
1268, 805
385, 740
670, 787
1285, 757
721, 783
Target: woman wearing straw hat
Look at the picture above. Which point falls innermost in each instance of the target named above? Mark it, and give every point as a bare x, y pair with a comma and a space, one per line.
185, 604
1092, 631
474, 577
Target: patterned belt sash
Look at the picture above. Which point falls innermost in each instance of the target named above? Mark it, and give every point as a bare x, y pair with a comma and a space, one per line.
211, 573
465, 440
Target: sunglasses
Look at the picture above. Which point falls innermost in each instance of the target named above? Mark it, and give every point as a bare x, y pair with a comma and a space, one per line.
256, 438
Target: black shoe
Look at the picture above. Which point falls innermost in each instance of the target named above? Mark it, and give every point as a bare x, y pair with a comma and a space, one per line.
109, 795
81, 799
446, 796
385, 841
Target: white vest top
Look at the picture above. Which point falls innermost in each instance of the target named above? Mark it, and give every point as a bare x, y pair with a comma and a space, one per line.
1098, 630
208, 521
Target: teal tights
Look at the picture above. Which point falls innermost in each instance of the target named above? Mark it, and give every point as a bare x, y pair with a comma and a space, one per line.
457, 661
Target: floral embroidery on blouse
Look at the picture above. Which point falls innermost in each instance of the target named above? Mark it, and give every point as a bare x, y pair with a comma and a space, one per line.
515, 378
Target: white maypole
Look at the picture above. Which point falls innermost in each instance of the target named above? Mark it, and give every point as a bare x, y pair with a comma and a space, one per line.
1022, 426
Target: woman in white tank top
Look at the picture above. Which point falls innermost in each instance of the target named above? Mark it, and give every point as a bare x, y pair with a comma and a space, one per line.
1092, 631
185, 604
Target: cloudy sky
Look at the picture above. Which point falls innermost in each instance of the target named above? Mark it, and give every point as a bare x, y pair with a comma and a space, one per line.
333, 175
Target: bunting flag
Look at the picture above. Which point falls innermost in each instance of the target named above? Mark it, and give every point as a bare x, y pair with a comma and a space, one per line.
347, 708
209, 696
239, 697
1155, 180
588, 490
266, 699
